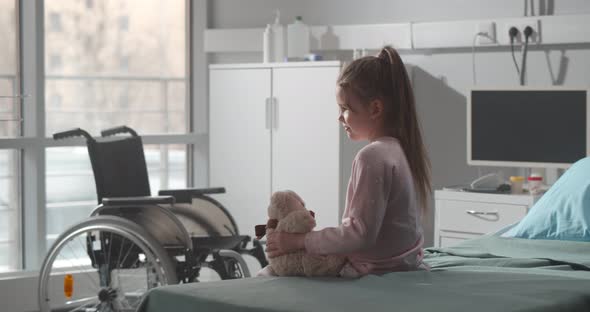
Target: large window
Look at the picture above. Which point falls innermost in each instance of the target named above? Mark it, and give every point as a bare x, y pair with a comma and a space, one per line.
9, 100
94, 65
111, 63
9, 211
10, 126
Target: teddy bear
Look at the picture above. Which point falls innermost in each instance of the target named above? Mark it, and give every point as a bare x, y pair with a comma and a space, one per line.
287, 213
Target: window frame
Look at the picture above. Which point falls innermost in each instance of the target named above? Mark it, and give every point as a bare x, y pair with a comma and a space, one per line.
33, 142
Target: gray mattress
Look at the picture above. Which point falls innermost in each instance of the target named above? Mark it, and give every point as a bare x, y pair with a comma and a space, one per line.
486, 274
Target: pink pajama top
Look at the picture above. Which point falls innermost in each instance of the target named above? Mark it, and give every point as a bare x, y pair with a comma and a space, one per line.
380, 230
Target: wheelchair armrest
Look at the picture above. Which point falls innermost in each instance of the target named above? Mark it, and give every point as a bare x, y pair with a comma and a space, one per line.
186, 195
139, 200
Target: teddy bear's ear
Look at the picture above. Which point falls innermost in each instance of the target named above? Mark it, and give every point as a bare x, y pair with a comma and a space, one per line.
278, 203
260, 230
297, 197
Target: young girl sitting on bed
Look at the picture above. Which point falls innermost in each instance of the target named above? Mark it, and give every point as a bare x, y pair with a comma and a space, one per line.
390, 180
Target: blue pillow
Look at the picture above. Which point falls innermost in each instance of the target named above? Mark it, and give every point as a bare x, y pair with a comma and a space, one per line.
563, 213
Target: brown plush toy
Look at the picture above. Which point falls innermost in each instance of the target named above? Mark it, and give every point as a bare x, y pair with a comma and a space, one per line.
287, 213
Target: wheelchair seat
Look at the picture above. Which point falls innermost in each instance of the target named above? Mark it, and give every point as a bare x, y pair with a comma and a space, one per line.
157, 220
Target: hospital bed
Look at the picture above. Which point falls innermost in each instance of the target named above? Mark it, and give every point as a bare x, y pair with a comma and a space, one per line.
542, 263
491, 273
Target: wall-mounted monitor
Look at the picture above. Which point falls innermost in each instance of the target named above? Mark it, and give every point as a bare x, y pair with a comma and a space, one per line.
528, 127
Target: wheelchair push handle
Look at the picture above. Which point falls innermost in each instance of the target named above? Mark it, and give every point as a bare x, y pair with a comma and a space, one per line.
72, 133
117, 130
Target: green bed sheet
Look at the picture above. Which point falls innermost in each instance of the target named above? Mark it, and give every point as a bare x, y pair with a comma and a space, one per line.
486, 274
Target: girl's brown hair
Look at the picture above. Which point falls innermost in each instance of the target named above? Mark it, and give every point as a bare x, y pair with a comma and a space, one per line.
385, 77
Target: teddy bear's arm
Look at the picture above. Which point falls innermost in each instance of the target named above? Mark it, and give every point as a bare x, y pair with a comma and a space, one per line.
297, 222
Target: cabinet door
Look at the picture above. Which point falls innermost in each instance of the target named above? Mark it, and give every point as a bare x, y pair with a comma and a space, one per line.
239, 143
305, 139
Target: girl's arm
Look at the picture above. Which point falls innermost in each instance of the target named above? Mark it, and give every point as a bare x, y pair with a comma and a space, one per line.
371, 183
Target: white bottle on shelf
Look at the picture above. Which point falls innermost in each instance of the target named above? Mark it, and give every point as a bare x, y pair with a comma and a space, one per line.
267, 45
279, 39
298, 39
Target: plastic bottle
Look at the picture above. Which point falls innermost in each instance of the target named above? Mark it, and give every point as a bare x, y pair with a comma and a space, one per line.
535, 184
267, 44
516, 183
279, 39
298, 39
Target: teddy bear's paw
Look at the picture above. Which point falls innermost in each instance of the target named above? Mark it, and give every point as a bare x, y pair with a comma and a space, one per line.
267, 271
315, 265
288, 265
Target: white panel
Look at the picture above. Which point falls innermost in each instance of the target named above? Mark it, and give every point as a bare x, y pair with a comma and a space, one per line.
511, 199
348, 37
240, 143
14, 286
445, 34
275, 65
338, 37
306, 138
551, 30
421, 35
231, 40
565, 29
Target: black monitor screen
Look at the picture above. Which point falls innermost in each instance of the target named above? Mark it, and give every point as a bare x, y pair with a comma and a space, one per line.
547, 126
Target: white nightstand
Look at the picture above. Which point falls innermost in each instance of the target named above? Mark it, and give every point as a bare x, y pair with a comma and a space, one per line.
464, 215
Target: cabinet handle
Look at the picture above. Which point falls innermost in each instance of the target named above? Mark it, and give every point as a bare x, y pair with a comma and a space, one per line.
268, 113
481, 213
275, 113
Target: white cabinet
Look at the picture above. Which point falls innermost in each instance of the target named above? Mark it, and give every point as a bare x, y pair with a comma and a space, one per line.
463, 215
274, 127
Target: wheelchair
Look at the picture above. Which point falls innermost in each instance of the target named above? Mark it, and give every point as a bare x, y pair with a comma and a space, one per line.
133, 241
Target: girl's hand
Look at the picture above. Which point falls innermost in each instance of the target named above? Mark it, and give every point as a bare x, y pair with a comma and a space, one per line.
280, 243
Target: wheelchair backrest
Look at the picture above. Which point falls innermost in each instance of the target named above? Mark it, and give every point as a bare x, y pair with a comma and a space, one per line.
119, 167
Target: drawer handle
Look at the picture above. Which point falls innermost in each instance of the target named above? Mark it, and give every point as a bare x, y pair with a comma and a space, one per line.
481, 213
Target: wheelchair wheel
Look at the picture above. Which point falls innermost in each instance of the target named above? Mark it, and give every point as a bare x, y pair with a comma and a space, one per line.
104, 263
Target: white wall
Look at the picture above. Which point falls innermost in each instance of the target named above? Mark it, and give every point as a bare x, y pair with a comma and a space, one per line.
257, 13
441, 77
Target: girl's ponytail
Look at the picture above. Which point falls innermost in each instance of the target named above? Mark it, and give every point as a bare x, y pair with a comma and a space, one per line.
403, 119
